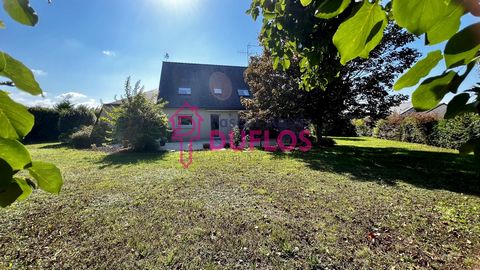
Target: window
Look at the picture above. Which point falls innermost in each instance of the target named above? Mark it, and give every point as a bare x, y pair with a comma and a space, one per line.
217, 91
243, 92
185, 120
184, 91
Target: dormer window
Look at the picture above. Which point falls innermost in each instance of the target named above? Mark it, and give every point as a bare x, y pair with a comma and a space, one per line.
217, 91
243, 92
184, 91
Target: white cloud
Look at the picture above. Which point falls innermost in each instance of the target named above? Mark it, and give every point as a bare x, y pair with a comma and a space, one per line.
109, 53
72, 96
39, 72
75, 97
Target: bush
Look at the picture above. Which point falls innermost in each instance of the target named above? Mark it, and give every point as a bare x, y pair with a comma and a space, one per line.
237, 136
362, 126
72, 119
100, 133
45, 128
418, 127
138, 122
206, 146
453, 133
81, 138
389, 128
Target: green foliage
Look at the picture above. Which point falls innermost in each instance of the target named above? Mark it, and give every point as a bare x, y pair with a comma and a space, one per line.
45, 128
388, 128
361, 33
72, 119
16, 122
421, 69
81, 139
415, 128
237, 136
101, 132
453, 133
362, 127
138, 123
359, 29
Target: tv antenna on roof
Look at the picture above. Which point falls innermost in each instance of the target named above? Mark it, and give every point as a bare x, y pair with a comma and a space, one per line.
249, 52
166, 56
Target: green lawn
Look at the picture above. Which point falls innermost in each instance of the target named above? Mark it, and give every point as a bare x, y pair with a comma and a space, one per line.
364, 204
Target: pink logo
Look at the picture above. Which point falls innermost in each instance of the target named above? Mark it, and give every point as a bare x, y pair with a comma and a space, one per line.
186, 123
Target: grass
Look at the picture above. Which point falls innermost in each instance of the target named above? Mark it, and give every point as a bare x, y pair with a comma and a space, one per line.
364, 204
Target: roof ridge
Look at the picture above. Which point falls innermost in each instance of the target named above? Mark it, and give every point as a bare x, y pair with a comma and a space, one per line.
200, 64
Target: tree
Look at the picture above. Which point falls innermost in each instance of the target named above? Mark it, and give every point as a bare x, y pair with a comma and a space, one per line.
16, 122
360, 89
296, 27
138, 122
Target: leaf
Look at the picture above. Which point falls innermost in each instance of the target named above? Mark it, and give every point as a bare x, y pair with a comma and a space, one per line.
19, 74
331, 8
25, 187
305, 2
286, 63
15, 120
9, 192
463, 47
432, 91
360, 34
421, 69
457, 105
439, 19
48, 176
21, 11
276, 61
15, 154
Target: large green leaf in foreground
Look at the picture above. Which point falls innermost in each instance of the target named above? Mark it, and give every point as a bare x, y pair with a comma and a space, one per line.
432, 91
331, 8
439, 19
48, 176
15, 154
421, 69
360, 34
15, 120
21, 11
21, 75
463, 47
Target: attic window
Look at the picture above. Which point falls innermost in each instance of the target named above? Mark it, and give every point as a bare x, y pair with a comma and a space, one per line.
217, 91
243, 92
184, 91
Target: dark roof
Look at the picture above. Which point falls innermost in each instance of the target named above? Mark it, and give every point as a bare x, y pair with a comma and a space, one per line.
406, 108
150, 95
202, 80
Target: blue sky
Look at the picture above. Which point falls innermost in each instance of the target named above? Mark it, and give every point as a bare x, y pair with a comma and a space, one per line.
84, 50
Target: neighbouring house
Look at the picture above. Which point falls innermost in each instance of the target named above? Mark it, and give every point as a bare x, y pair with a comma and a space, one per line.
151, 95
406, 108
202, 97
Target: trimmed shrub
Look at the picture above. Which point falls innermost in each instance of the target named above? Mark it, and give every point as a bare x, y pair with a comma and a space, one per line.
389, 128
72, 119
362, 127
81, 138
453, 133
46, 125
418, 127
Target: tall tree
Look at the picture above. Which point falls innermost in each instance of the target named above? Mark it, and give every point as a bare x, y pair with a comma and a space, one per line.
361, 88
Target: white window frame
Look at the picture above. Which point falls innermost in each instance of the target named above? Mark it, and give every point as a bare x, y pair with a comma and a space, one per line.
179, 117
243, 92
184, 91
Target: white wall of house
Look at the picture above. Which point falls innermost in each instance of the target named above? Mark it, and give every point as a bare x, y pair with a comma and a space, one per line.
227, 120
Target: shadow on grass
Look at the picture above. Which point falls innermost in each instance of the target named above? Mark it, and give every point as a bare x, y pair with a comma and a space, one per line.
431, 170
56, 145
122, 158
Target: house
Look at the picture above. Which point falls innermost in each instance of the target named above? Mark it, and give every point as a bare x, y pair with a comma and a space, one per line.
201, 96
151, 95
406, 108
